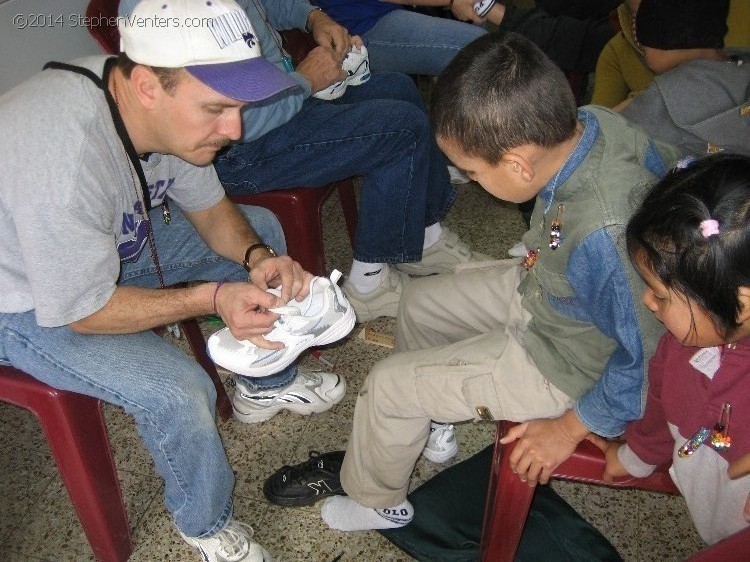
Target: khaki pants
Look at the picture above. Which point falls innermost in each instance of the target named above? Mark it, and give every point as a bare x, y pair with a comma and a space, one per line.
460, 357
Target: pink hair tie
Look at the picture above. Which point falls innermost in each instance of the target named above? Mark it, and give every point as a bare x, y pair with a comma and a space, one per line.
709, 227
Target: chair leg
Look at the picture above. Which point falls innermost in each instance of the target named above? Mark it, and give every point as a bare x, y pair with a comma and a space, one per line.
508, 504
197, 343
308, 248
77, 435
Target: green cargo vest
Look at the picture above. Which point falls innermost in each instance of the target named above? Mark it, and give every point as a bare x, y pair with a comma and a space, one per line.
603, 192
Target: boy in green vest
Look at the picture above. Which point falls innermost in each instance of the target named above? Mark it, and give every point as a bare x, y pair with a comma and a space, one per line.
559, 339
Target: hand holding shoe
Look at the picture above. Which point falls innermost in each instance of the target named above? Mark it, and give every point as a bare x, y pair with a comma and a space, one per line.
322, 68
244, 309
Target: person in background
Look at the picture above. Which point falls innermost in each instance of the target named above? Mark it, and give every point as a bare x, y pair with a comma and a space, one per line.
690, 241
698, 100
621, 70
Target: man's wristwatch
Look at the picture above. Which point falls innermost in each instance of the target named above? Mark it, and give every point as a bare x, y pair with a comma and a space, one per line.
251, 249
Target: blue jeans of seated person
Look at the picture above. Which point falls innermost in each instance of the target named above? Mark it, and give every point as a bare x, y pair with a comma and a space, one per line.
167, 392
378, 130
414, 43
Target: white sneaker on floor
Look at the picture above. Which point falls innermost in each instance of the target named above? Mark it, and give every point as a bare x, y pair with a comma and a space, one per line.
458, 177
311, 392
443, 256
323, 317
518, 250
383, 301
357, 66
441, 445
231, 544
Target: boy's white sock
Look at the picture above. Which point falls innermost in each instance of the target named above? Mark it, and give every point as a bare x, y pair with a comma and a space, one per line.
345, 514
432, 234
366, 276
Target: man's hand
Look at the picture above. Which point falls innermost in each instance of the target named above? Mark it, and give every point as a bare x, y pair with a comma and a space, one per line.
328, 33
244, 309
282, 271
542, 445
322, 67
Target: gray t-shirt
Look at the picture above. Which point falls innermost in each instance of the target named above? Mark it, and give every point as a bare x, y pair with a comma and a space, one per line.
69, 203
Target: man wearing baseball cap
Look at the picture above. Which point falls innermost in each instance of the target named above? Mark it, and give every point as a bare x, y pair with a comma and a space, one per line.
108, 197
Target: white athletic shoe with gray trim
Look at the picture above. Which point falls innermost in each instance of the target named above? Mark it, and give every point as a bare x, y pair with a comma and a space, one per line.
231, 544
311, 392
323, 317
441, 445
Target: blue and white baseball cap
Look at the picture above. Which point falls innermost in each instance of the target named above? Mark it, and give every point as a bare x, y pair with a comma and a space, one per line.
212, 39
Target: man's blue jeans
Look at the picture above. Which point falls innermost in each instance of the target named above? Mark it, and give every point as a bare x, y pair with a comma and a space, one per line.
414, 43
170, 396
378, 130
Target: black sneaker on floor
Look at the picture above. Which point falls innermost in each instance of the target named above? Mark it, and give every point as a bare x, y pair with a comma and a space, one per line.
307, 482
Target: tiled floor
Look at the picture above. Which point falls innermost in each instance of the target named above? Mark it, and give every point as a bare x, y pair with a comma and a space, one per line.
37, 521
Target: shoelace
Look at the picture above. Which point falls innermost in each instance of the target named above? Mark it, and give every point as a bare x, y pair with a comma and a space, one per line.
234, 540
298, 472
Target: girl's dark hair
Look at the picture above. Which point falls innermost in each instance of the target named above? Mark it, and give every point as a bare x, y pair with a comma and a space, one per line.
500, 92
664, 235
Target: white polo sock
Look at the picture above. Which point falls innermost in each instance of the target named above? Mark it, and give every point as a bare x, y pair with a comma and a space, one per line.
345, 514
366, 276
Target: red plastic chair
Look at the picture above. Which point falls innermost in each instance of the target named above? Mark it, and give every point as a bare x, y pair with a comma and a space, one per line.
298, 208
509, 499
74, 427
77, 435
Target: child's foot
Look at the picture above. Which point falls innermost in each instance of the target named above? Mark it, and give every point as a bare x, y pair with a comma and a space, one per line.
345, 514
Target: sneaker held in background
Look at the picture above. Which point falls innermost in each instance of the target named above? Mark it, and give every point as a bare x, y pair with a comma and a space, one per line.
383, 301
357, 66
307, 482
443, 256
483, 7
441, 445
311, 392
323, 317
231, 544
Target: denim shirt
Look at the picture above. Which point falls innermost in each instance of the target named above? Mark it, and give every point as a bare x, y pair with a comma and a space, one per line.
590, 334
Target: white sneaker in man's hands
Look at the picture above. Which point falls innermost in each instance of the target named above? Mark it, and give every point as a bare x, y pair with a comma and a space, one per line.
323, 317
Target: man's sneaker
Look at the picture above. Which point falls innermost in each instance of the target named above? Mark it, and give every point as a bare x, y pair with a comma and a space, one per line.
443, 256
231, 544
323, 317
458, 177
307, 482
383, 301
357, 66
483, 7
441, 444
309, 393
